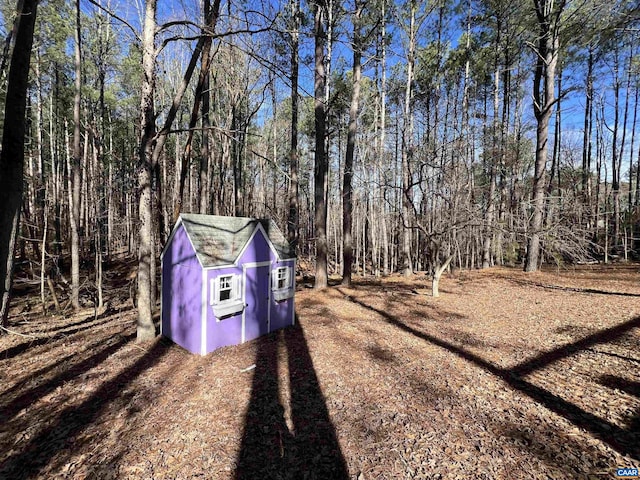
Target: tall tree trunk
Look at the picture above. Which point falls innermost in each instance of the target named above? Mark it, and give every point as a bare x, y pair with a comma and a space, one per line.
57, 165
637, 194
40, 191
383, 130
586, 139
236, 160
347, 200
615, 153
206, 122
553, 203
599, 167
293, 222
543, 101
623, 141
145, 326
10, 36
487, 257
320, 157
76, 170
12, 155
407, 143
555, 153
631, 150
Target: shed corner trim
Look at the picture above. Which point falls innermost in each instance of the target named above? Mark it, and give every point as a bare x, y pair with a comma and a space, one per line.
203, 314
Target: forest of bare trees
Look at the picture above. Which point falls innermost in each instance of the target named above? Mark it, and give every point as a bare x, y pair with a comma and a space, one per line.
382, 136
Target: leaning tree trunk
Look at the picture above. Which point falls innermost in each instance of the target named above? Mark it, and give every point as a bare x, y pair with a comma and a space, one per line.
12, 155
177, 100
437, 273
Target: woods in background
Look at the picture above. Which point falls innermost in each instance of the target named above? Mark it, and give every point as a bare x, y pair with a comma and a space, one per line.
393, 136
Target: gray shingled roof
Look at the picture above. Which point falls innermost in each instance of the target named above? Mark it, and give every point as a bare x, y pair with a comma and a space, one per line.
218, 240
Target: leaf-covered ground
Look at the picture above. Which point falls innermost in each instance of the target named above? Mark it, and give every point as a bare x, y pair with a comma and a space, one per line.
506, 375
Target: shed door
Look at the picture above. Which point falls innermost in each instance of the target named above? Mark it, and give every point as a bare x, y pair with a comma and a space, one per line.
256, 295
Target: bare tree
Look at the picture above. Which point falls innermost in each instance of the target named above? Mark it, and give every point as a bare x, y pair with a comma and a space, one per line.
407, 141
548, 14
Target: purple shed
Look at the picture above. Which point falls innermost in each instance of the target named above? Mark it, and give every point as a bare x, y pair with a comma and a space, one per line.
225, 280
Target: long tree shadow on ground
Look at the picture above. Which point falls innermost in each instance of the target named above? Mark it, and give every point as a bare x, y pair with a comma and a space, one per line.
73, 370
52, 336
625, 441
601, 336
269, 449
591, 291
61, 437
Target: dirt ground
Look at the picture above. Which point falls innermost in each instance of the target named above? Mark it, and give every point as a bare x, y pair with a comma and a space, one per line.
506, 375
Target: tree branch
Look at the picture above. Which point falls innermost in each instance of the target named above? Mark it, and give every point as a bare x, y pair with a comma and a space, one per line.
116, 17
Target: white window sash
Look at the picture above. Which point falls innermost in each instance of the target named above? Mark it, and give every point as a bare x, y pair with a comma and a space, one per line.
216, 289
281, 274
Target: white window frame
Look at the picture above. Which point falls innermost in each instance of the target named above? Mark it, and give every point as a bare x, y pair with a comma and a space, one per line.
225, 283
282, 274
285, 292
235, 303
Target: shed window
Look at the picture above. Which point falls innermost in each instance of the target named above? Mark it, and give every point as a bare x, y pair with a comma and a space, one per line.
225, 295
282, 278
225, 288
282, 283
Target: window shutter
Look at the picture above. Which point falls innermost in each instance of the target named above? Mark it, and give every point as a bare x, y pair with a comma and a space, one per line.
288, 277
216, 290
237, 287
274, 279
212, 287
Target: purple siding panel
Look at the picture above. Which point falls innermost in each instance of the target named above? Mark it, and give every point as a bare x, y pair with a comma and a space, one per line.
182, 293
227, 331
257, 251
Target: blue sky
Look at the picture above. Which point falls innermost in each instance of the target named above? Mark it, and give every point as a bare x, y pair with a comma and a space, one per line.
572, 104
